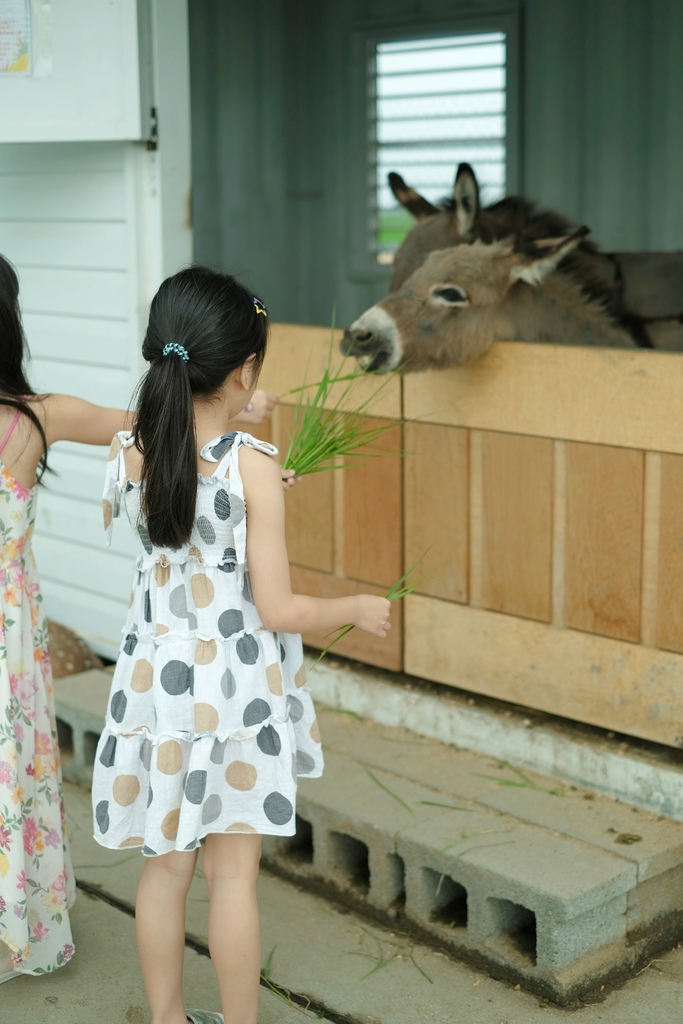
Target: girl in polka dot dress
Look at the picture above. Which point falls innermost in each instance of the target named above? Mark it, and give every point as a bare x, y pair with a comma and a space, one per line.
209, 721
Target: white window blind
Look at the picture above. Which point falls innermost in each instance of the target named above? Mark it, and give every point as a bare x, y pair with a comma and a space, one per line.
435, 103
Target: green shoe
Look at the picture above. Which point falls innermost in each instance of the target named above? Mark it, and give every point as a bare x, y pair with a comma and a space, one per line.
204, 1017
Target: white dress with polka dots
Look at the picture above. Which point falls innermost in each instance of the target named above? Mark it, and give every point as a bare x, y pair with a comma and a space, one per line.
209, 722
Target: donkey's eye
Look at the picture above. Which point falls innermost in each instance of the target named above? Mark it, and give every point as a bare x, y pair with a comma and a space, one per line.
450, 295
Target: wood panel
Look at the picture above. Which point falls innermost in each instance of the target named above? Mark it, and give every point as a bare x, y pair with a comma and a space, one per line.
625, 398
98, 195
649, 610
386, 653
98, 622
436, 505
81, 339
516, 534
309, 521
98, 571
670, 577
373, 514
624, 687
264, 432
99, 245
91, 293
604, 537
112, 388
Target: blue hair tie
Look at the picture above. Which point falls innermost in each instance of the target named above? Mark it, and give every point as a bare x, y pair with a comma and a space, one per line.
180, 350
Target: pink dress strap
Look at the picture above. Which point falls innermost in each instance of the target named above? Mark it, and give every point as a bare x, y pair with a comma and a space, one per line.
10, 431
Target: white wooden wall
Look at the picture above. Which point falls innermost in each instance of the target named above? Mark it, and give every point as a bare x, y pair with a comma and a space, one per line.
68, 222
93, 227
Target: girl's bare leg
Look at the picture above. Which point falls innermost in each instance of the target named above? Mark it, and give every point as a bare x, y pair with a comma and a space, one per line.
160, 922
230, 865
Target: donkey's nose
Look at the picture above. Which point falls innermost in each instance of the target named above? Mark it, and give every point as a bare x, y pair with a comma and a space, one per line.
358, 341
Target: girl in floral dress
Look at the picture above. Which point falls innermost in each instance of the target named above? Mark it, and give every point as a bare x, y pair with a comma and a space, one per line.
209, 721
36, 879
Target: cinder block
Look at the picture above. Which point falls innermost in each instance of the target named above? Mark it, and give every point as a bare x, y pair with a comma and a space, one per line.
366, 808
80, 706
548, 874
561, 943
656, 907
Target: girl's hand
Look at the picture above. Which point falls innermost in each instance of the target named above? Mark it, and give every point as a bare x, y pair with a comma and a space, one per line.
289, 479
262, 405
373, 615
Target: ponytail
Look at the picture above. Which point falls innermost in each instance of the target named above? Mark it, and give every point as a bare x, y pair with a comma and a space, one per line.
166, 437
203, 325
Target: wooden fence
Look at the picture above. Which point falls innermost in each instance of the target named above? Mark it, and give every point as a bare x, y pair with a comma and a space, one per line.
548, 481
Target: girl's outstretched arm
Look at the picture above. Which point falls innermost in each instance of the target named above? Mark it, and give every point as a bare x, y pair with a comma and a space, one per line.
66, 418
280, 609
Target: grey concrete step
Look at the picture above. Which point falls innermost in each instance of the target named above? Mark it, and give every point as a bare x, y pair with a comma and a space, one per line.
640, 773
553, 887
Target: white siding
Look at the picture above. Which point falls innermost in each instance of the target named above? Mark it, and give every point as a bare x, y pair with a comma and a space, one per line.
69, 223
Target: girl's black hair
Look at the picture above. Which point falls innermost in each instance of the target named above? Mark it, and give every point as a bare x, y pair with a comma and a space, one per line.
13, 351
214, 318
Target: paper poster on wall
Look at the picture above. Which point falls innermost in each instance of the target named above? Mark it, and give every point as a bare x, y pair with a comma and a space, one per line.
15, 37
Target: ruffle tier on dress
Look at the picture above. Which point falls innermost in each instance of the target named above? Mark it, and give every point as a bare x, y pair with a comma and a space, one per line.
209, 721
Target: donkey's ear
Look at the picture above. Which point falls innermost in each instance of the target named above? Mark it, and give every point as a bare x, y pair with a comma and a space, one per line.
466, 199
535, 260
415, 204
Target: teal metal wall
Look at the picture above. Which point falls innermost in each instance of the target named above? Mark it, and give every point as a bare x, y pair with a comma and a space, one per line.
279, 177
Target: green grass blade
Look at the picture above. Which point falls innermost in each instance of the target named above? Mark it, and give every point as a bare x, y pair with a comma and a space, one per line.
342, 631
418, 968
390, 792
448, 807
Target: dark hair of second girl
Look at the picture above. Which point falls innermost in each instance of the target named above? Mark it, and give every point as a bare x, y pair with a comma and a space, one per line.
13, 351
214, 318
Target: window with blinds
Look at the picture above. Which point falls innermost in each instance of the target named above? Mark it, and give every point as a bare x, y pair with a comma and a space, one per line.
435, 103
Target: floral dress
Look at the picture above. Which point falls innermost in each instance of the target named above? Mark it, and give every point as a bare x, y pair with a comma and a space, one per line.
209, 722
36, 879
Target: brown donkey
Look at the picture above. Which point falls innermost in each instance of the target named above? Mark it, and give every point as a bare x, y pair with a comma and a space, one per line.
642, 291
460, 300
462, 219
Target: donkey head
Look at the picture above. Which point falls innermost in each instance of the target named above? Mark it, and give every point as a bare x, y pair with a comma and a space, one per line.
437, 227
454, 306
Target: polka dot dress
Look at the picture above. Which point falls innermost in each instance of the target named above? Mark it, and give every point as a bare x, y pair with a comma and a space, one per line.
209, 722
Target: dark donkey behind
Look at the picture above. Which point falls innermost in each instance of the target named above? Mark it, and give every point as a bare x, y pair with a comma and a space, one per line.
640, 294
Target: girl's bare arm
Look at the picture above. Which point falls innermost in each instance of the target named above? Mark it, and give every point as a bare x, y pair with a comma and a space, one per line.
281, 610
66, 418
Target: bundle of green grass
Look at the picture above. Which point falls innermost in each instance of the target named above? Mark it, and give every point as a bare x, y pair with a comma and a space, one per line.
330, 435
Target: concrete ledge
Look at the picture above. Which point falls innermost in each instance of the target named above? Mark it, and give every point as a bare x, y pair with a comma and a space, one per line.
641, 774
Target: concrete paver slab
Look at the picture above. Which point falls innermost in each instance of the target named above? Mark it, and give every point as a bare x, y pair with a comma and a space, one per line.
370, 974
103, 985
